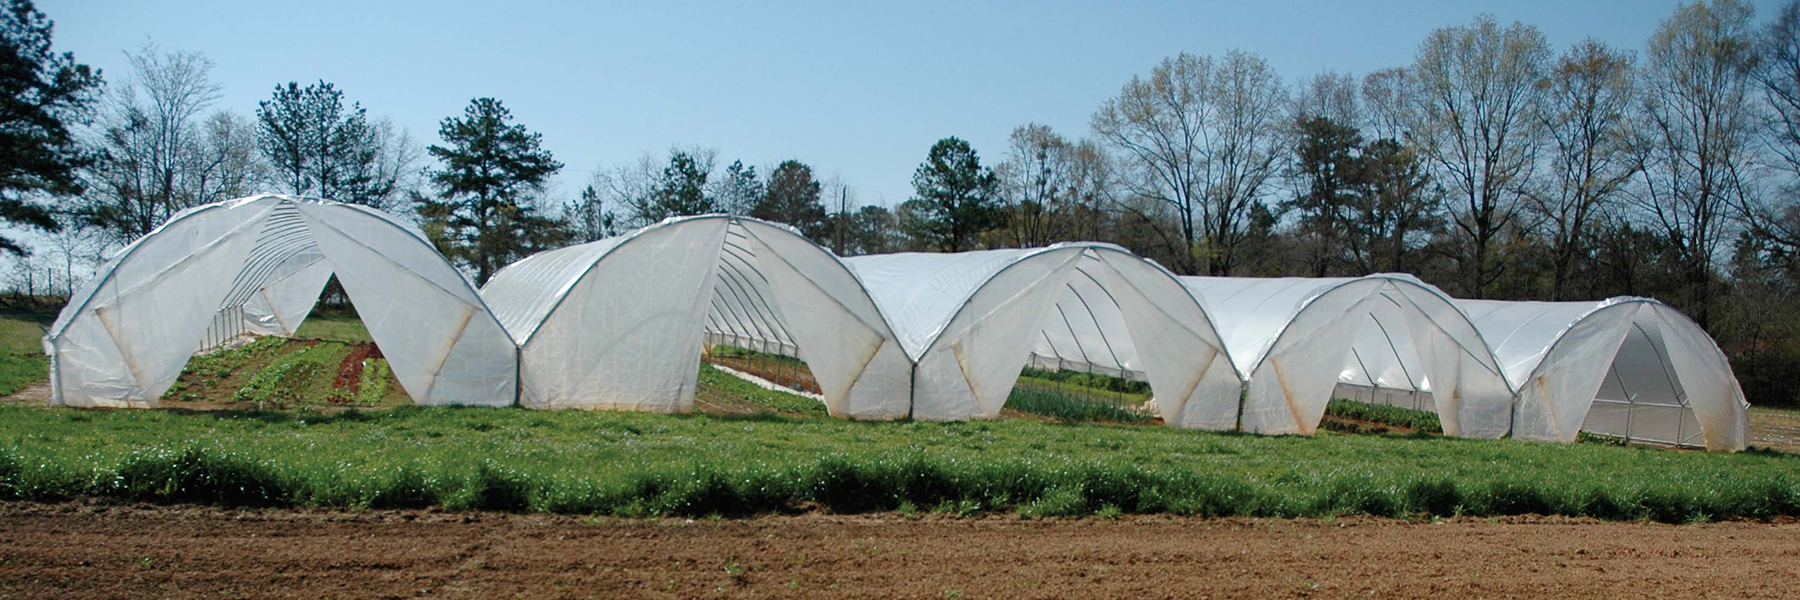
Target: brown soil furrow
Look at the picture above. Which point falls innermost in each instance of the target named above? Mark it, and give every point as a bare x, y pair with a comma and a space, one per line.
99, 551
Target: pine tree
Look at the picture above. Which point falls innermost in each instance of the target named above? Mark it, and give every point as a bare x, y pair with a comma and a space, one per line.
793, 198
42, 94
955, 197
740, 192
681, 190
491, 168
319, 147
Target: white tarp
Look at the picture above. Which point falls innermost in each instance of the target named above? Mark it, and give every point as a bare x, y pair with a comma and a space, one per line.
1293, 339
620, 323
970, 321
1629, 367
125, 336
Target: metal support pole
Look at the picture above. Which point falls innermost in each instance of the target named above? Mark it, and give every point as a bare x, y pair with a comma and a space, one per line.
1630, 400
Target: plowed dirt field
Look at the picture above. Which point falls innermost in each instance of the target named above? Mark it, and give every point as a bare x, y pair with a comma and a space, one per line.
97, 550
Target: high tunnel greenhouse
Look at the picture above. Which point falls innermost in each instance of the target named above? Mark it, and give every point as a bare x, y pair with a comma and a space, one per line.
622, 323
256, 266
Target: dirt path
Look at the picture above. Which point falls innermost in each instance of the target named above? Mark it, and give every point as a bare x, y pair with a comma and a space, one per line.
98, 551
36, 394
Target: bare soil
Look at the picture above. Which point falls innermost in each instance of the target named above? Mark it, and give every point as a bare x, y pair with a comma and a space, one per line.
96, 550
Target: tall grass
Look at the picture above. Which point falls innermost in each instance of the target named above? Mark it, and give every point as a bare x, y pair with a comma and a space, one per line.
1069, 407
638, 464
1094, 381
1424, 421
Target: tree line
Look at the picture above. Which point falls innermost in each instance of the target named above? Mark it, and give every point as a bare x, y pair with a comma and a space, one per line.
1493, 165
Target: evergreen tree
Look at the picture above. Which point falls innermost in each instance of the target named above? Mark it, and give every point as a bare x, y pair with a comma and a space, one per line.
740, 192
955, 197
1396, 208
793, 198
589, 219
42, 94
1326, 169
316, 146
872, 230
681, 189
490, 169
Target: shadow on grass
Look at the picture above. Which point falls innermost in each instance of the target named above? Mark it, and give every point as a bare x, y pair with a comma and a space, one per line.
756, 417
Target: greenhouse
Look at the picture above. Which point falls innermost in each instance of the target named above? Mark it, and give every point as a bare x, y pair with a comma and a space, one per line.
217, 273
623, 323
1633, 368
620, 323
1294, 340
970, 321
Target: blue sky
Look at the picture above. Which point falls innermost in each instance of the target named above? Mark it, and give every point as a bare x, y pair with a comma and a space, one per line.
856, 89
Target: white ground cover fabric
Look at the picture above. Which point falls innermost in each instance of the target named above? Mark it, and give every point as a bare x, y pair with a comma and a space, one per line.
1293, 340
620, 323
970, 321
1629, 367
125, 336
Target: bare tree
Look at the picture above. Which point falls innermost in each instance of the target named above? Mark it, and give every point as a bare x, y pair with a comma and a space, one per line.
1330, 95
589, 216
1779, 73
840, 200
1477, 91
230, 165
1698, 119
1388, 99
1092, 183
1777, 217
632, 187
399, 164
1036, 180
1586, 120
156, 151
1202, 136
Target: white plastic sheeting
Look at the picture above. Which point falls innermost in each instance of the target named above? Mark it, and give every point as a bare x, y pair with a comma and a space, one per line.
970, 321
620, 323
1293, 339
125, 336
1629, 367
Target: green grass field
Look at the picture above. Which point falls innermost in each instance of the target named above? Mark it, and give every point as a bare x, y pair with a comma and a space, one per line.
640, 464
785, 454
22, 360
336, 326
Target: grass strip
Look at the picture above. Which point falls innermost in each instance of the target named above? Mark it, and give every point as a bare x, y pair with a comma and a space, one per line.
628, 464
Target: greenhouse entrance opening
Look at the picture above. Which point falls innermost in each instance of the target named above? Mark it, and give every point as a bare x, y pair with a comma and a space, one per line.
221, 274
